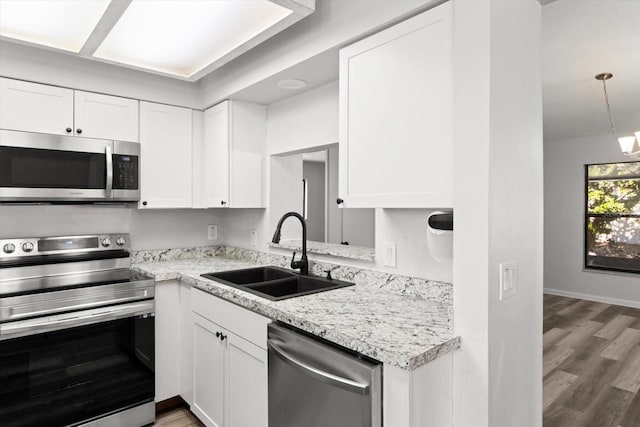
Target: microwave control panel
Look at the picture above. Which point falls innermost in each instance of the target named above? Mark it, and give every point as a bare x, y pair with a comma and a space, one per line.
125, 172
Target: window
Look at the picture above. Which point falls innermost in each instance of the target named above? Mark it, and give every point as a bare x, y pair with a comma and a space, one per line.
612, 217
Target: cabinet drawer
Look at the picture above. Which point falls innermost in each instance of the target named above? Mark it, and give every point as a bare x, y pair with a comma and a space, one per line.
241, 321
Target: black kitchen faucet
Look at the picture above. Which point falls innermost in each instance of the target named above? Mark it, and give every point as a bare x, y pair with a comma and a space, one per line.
303, 264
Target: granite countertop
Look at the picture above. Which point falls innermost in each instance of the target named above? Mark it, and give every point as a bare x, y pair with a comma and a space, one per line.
344, 251
401, 330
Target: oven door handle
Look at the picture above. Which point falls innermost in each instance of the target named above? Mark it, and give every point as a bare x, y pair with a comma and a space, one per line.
109, 155
326, 377
40, 325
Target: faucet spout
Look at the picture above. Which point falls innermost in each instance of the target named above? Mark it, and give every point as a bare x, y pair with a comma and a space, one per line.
303, 263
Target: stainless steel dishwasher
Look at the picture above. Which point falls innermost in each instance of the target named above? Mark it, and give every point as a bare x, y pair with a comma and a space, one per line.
314, 384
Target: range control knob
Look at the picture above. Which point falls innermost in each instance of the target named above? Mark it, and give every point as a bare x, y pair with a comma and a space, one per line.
27, 247
9, 248
121, 241
106, 242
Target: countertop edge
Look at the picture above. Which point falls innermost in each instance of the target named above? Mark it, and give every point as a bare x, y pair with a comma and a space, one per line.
236, 296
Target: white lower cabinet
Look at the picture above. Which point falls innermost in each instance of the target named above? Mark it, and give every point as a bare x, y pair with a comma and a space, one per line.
229, 363
208, 368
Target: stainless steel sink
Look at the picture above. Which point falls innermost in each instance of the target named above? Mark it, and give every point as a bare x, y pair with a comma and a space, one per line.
275, 283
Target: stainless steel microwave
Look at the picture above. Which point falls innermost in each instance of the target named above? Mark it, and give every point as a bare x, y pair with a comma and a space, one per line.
36, 167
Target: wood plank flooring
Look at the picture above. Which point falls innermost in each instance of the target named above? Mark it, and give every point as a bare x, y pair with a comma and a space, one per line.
179, 417
591, 364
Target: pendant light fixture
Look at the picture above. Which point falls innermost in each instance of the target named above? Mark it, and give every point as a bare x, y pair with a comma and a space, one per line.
629, 144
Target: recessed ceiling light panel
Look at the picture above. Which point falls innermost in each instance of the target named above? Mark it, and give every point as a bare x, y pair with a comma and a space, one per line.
291, 84
181, 37
62, 24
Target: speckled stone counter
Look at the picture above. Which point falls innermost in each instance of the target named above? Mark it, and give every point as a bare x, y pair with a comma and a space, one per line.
333, 249
385, 323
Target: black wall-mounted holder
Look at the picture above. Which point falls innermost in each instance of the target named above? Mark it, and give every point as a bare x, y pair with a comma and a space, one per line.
441, 221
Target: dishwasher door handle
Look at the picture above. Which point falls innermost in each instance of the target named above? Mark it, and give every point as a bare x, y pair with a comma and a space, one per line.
326, 377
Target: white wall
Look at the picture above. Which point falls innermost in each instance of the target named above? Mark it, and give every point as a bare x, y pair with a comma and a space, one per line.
314, 174
498, 189
54, 68
149, 229
303, 121
564, 162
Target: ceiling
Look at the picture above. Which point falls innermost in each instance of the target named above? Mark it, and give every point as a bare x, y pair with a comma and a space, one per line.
582, 38
316, 71
183, 39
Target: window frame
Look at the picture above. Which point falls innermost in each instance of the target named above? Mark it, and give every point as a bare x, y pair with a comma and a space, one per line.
588, 215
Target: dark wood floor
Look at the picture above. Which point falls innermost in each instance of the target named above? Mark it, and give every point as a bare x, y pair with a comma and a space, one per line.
591, 364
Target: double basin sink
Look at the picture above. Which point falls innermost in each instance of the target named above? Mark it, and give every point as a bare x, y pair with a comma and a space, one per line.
275, 283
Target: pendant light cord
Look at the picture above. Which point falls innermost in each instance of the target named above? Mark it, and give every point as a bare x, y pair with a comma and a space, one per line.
606, 98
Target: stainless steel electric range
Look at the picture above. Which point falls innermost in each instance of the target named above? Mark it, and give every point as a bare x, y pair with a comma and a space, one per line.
76, 333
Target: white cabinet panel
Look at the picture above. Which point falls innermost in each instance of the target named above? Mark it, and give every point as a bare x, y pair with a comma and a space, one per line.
248, 154
35, 108
208, 372
216, 155
247, 377
107, 117
186, 344
167, 339
396, 125
166, 145
234, 155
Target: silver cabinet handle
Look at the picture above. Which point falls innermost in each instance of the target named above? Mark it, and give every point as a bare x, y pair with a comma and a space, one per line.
343, 383
62, 321
108, 153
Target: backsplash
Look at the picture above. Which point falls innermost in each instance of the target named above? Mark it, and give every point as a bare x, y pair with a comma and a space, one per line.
431, 290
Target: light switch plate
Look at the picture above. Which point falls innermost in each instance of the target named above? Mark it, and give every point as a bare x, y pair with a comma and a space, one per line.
508, 279
390, 254
212, 232
253, 238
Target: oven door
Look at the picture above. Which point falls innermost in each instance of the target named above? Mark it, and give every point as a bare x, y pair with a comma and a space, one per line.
40, 167
76, 367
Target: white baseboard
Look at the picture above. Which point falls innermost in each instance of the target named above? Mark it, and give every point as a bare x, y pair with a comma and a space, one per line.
596, 298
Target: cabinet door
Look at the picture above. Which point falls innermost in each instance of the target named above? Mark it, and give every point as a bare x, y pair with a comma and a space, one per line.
248, 154
246, 384
165, 156
107, 117
216, 155
208, 372
34, 107
396, 124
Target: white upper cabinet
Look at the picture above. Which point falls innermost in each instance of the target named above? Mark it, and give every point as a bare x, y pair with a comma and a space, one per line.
106, 117
234, 153
217, 130
165, 155
396, 118
34, 107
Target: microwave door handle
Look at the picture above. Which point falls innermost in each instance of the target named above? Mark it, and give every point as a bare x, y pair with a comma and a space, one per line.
109, 187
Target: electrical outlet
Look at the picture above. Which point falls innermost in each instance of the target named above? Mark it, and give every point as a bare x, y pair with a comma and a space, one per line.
390, 256
508, 279
253, 238
212, 232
